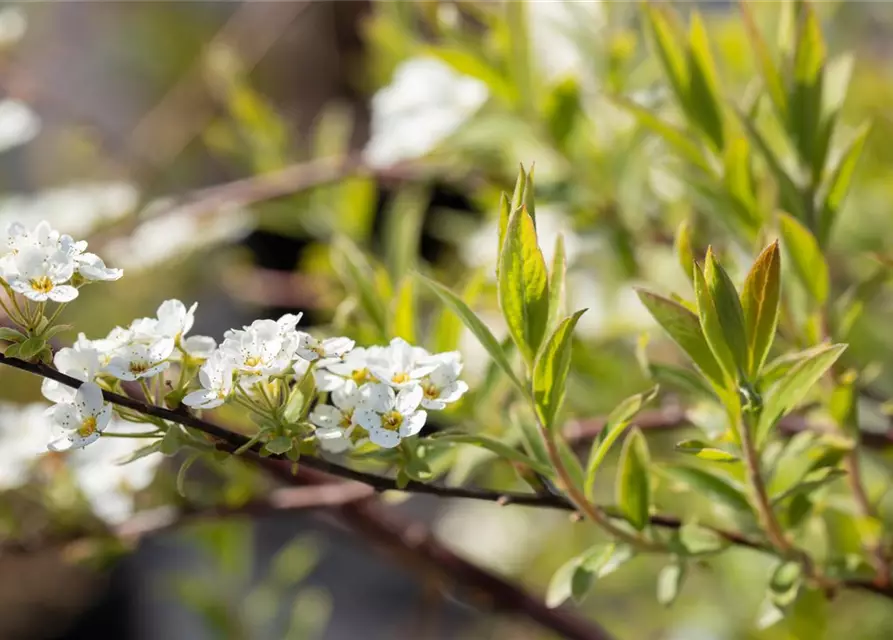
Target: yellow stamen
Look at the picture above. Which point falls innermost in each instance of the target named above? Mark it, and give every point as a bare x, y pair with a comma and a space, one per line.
360, 376
88, 427
137, 368
400, 377
42, 284
346, 419
391, 420
252, 361
431, 392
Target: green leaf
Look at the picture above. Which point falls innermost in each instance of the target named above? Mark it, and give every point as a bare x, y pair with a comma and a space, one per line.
676, 139
571, 462
12, 335
709, 485
561, 585
806, 257
805, 97
789, 193
698, 540
518, 196
576, 577
633, 483
279, 445
551, 369
795, 384
505, 212
174, 439
785, 583
448, 327
669, 582
728, 309
181, 474
680, 379
760, 300
703, 88
529, 196
403, 316
665, 38
556, 283
523, 285
682, 246
838, 184
810, 482
31, 347
402, 229
497, 447
294, 406
768, 69
704, 451
356, 272
615, 425
562, 110
738, 181
474, 324
712, 327
532, 438
684, 328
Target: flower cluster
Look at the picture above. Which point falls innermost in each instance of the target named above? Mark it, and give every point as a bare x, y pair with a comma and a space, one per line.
42, 264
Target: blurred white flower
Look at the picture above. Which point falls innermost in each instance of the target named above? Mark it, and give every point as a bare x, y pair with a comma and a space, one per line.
442, 386
80, 423
389, 417
24, 430
559, 29
424, 104
18, 124
91, 267
13, 24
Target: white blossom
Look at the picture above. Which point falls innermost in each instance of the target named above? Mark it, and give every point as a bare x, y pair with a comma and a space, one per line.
332, 375
91, 267
336, 429
389, 416
442, 386
402, 365
216, 378
40, 275
82, 421
312, 349
174, 319
23, 438
136, 361
18, 124
199, 347
80, 361
257, 350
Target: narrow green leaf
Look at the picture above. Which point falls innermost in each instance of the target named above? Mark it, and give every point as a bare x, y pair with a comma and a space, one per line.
666, 41
519, 194
560, 586
497, 447
551, 369
505, 212
475, 325
738, 181
448, 327
529, 195
810, 482
676, 139
669, 582
402, 229
760, 300
680, 379
712, 327
523, 285
684, 328
683, 248
557, 283
563, 109
595, 563
403, 312
181, 474
698, 540
571, 462
710, 485
615, 425
633, 482
703, 88
795, 384
838, 184
532, 438
806, 257
356, 272
788, 191
704, 451
728, 309
805, 97
768, 69
785, 583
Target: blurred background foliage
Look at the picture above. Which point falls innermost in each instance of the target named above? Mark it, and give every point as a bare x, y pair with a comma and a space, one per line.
387, 132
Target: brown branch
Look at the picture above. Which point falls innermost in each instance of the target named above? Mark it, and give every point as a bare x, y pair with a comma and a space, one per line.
230, 441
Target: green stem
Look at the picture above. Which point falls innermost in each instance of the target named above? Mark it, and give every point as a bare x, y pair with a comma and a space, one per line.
56, 313
759, 496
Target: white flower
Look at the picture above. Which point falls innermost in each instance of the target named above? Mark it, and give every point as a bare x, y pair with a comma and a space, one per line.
199, 347
336, 429
216, 378
107, 347
256, 349
136, 361
388, 416
174, 319
80, 361
402, 365
442, 386
18, 124
23, 438
312, 349
332, 375
92, 268
40, 276
81, 422
426, 102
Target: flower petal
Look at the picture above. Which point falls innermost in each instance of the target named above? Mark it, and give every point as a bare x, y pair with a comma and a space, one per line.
89, 399
408, 399
413, 423
384, 438
62, 293
327, 381
324, 415
378, 397
56, 391
367, 419
65, 416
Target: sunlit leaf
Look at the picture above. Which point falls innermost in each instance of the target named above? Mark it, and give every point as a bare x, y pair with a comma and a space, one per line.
709, 485
806, 257
551, 369
838, 184
633, 482
760, 300
704, 451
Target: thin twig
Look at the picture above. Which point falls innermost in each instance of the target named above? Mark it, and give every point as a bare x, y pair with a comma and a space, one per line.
230, 441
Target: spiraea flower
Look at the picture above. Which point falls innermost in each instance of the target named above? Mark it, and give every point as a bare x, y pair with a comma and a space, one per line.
257, 350
354, 366
312, 349
390, 416
336, 429
216, 378
82, 421
135, 361
402, 365
442, 386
